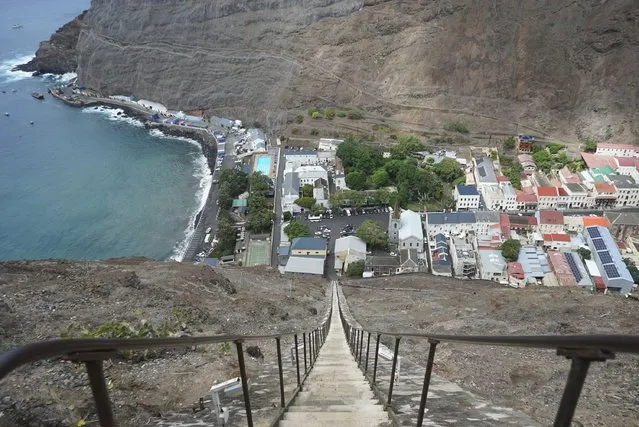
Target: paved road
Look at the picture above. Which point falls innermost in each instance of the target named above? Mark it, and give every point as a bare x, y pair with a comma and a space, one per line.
275, 240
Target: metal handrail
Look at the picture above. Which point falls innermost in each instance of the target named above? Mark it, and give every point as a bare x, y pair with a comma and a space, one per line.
92, 352
581, 349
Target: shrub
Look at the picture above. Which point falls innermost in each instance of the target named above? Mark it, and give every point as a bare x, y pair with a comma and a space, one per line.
295, 131
355, 114
314, 132
316, 115
312, 111
456, 127
341, 114
299, 118
329, 113
355, 269
287, 216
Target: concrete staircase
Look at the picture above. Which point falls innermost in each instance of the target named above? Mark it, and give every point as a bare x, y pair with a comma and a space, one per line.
336, 392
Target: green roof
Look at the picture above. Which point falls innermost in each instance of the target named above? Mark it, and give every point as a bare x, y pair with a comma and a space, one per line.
604, 170
240, 203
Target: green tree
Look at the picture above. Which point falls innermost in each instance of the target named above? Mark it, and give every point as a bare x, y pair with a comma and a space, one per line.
296, 229
448, 170
341, 114
460, 180
225, 233
542, 156
632, 268
356, 180
259, 220
590, 146
312, 111
380, 178
372, 233
305, 202
510, 249
258, 182
555, 148
584, 253
509, 143
382, 196
236, 181
329, 113
405, 146
307, 190
287, 216
456, 127
355, 269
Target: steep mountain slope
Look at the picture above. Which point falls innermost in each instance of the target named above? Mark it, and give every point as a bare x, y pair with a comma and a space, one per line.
564, 67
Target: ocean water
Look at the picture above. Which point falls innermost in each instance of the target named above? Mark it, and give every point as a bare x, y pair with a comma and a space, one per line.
84, 184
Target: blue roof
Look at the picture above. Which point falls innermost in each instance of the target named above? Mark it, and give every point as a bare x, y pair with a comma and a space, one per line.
451, 217
310, 243
284, 250
467, 190
211, 261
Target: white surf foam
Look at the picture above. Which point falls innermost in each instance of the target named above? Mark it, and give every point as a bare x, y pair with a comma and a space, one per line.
60, 78
202, 172
7, 66
112, 114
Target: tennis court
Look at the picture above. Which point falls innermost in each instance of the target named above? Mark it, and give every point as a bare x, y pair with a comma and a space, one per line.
258, 253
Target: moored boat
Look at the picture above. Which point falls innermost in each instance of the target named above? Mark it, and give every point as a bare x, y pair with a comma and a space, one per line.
37, 95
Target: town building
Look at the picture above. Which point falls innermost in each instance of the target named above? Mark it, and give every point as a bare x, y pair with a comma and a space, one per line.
628, 166
516, 276
485, 221
408, 261
492, 266
348, 249
527, 162
549, 221
309, 174
547, 197
623, 224
449, 223
375, 266
627, 190
567, 177
524, 143
556, 241
466, 197
290, 193
568, 269
462, 255
605, 195
327, 144
618, 150
579, 196
527, 200
258, 140
405, 230
340, 182
534, 264
509, 196
306, 255
606, 255
493, 197
439, 252
484, 171
297, 158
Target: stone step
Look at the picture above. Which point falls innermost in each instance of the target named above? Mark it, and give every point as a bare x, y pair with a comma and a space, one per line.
325, 406
370, 416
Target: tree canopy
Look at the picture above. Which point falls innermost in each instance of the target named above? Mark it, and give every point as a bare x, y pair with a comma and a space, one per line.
307, 190
355, 269
590, 146
305, 202
406, 146
448, 170
372, 233
296, 229
584, 253
510, 249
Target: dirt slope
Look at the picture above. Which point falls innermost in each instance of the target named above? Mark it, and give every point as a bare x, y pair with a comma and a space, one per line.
39, 300
525, 379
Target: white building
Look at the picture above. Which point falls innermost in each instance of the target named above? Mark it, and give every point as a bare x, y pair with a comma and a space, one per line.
493, 196
405, 230
492, 266
510, 196
547, 197
327, 144
297, 158
290, 192
258, 140
449, 223
310, 174
618, 150
340, 182
484, 171
462, 256
466, 197
627, 190
348, 249
579, 196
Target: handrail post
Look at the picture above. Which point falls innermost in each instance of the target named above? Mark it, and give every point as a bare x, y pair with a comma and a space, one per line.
392, 377
297, 361
305, 368
427, 374
376, 357
100, 392
361, 346
279, 365
368, 347
576, 377
245, 390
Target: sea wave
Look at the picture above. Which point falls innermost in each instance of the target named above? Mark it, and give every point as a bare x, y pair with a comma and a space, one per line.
6, 69
114, 114
60, 78
202, 172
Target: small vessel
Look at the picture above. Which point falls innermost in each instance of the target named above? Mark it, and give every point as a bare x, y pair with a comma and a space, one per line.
16, 26
37, 95
6, 114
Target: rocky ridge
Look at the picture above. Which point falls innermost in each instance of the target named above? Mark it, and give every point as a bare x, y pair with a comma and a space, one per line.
565, 68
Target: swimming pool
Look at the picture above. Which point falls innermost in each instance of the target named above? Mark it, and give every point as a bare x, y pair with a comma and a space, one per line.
263, 164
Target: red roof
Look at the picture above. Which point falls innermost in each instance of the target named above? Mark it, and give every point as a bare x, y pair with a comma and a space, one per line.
598, 160
621, 245
562, 192
501, 178
589, 221
547, 191
547, 216
626, 161
516, 269
569, 177
605, 188
504, 222
532, 220
557, 237
599, 283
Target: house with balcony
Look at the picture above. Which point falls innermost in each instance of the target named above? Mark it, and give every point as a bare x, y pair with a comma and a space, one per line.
605, 195
547, 197
462, 256
627, 191
579, 196
526, 199
563, 199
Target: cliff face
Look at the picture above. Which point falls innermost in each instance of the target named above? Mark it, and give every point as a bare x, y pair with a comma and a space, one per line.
566, 67
57, 55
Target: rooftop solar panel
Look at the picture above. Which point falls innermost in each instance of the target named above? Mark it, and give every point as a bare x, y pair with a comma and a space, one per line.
611, 271
573, 267
599, 244
605, 257
594, 232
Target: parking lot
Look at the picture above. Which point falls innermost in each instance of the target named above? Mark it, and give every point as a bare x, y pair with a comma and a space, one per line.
338, 222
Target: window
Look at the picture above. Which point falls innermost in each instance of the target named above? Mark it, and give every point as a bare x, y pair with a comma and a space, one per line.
411, 244
395, 225
404, 244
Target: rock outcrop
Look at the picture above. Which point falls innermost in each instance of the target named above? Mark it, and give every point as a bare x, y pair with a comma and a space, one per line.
565, 67
58, 54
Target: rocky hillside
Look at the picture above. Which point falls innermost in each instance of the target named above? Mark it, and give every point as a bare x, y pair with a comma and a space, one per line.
42, 300
563, 67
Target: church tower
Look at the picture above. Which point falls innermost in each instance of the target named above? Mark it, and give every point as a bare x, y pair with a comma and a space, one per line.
394, 224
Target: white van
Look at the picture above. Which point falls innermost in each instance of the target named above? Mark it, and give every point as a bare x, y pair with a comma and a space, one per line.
312, 218
207, 238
